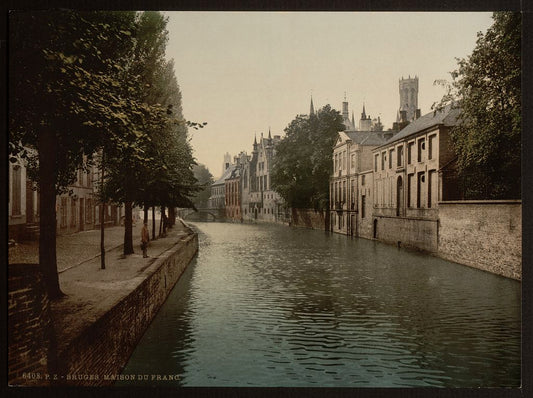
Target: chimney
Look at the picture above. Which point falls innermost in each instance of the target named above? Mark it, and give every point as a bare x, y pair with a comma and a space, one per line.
388, 135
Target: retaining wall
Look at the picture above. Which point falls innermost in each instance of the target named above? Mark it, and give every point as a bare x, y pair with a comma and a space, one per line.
410, 232
105, 347
310, 218
482, 234
29, 337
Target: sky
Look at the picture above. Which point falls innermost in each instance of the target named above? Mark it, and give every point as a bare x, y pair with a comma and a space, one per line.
247, 72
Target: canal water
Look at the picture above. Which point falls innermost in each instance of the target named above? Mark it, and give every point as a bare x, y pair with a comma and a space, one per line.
269, 305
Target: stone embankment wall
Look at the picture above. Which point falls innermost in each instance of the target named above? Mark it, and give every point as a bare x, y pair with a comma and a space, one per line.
407, 232
482, 234
29, 339
105, 347
310, 218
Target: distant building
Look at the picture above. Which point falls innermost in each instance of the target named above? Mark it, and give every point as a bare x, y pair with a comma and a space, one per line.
226, 163
232, 185
217, 200
351, 181
262, 202
408, 89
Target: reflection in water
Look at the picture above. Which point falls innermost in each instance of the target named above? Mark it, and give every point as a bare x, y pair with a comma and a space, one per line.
267, 305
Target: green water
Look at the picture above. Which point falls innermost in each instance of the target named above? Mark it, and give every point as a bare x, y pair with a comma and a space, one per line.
268, 305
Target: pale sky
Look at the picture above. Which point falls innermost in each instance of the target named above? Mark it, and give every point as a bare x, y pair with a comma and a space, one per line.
243, 72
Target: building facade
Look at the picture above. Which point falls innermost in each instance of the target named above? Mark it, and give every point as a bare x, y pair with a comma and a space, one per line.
217, 200
77, 210
232, 186
262, 202
351, 179
408, 180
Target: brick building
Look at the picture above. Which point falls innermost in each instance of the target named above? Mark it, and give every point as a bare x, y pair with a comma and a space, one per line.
408, 182
232, 185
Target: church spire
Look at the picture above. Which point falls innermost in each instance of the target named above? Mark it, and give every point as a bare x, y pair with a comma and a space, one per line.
363, 115
311, 108
269, 135
353, 121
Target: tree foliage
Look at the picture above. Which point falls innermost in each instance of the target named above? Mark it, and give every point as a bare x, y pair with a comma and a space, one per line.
205, 180
302, 163
83, 83
487, 88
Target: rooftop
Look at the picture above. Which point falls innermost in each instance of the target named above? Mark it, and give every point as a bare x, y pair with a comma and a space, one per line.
367, 137
447, 117
227, 174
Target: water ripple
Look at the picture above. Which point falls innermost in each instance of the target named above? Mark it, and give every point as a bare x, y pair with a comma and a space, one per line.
272, 306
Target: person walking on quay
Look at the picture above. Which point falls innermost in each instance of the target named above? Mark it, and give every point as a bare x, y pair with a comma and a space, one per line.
145, 238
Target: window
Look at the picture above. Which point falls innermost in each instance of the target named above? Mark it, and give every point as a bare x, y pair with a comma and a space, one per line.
391, 152
344, 160
89, 211
410, 152
431, 145
399, 156
16, 187
352, 195
376, 162
72, 212
383, 156
344, 191
363, 180
353, 161
421, 147
363, 206
420, 189
410, 180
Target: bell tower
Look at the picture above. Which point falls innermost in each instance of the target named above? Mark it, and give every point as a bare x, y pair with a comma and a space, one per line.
409, 97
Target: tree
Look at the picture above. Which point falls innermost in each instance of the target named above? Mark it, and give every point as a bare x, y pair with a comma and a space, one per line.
487, 88
205, 179
65, 102
302, 163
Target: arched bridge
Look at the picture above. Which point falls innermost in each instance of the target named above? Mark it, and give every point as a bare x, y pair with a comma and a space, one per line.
202, 214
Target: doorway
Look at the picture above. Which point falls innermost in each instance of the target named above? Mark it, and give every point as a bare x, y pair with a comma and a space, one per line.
399, 197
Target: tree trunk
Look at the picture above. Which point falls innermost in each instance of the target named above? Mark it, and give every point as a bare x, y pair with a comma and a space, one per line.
161, 220
171, 216
102, 226
128, 228
164, 219
153, 222
145, 218
102, 217
47, 239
